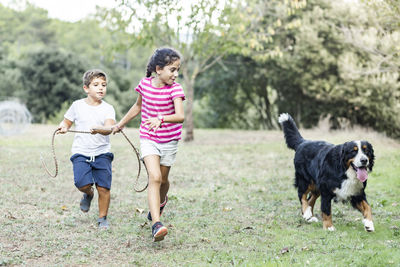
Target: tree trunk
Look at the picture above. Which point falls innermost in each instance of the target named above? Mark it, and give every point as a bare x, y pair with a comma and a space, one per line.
267, 103
189, 123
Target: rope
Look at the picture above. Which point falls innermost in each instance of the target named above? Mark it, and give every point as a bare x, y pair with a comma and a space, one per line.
85, 132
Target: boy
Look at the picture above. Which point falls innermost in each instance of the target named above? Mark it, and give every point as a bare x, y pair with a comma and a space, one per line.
91, 156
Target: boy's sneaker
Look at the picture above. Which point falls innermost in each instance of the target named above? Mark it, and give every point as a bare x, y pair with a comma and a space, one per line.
85, 202
102, 223
162, 205
159, 231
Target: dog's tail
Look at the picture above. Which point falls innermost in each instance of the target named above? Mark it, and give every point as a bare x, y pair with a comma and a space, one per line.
292, 135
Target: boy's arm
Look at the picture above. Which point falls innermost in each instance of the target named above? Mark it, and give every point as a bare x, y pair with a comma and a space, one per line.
132, 113
64, 126
106, 129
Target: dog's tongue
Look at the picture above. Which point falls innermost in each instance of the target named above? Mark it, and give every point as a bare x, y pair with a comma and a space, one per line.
362, 174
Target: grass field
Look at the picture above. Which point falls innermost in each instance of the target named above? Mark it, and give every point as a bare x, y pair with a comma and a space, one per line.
232, 202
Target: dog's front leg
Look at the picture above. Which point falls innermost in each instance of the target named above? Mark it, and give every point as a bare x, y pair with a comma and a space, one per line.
326, 212
366, 211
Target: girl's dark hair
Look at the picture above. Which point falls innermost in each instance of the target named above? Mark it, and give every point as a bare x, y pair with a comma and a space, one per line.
162, 57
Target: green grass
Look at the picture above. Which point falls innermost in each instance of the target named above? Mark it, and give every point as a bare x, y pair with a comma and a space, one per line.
232, 202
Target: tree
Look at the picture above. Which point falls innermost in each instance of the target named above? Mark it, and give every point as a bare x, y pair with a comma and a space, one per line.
10, 76
195, 36
51, 77
29, 29
236, 93
242, 85
378, 35
387, 11
341, 78
22, 30
319, 74
204, 31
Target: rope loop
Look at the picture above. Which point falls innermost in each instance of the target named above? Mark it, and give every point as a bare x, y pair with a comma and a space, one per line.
135, 186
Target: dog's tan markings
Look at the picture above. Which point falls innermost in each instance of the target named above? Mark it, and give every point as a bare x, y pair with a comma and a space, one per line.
349, 162
304, 201
311, 201
327, 221
364, 147
307, 203
312, 186
365, 210
355, 148
367, 213
314, 194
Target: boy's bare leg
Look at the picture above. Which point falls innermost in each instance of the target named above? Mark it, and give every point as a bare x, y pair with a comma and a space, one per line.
87, 189
104, 200
164, 183
87, 197
153, 191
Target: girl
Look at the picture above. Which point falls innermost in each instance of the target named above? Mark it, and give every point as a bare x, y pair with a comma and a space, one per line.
160, 103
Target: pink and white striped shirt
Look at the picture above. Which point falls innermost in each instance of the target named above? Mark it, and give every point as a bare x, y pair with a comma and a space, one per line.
159, 101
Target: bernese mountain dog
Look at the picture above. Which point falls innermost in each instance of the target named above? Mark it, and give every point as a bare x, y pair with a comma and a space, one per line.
334, 172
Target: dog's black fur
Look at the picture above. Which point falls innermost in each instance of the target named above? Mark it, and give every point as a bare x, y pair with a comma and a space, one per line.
330, 171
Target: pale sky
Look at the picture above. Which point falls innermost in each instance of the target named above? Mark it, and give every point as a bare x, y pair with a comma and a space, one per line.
68, 10
73, 10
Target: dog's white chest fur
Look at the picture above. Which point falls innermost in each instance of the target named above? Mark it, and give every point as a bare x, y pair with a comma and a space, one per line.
350, 187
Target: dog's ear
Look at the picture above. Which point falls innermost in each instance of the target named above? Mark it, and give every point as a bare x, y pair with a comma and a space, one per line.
342, 154
371, 156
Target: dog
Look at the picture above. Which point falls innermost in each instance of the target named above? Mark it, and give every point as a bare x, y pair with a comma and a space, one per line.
334, 172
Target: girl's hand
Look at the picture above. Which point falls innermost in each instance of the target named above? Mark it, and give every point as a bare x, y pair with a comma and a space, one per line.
116, 129
153, 123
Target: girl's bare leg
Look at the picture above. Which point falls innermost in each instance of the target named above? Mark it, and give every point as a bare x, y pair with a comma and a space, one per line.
164, 183
153, 191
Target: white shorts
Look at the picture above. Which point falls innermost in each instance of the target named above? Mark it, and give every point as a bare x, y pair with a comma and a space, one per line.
166, 151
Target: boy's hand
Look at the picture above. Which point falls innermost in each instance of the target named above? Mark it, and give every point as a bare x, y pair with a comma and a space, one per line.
64, 126
62, 129
93, 130
104, 130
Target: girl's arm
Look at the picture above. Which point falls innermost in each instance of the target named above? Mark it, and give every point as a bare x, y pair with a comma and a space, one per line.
64, 126
132, 113
178, 117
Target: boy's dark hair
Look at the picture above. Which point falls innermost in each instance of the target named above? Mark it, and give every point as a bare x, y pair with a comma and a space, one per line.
91, 74
162, 57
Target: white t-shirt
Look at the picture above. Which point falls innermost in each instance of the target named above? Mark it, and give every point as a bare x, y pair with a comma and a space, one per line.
84, 117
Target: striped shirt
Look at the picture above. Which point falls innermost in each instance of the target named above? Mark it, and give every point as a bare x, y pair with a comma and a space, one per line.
159, 101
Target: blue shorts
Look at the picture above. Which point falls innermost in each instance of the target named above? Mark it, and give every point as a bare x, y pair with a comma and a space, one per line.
92, 170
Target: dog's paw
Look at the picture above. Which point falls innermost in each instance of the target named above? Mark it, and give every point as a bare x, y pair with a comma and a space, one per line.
307, 214
283, 117
312, 219
368, 225
331, 228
